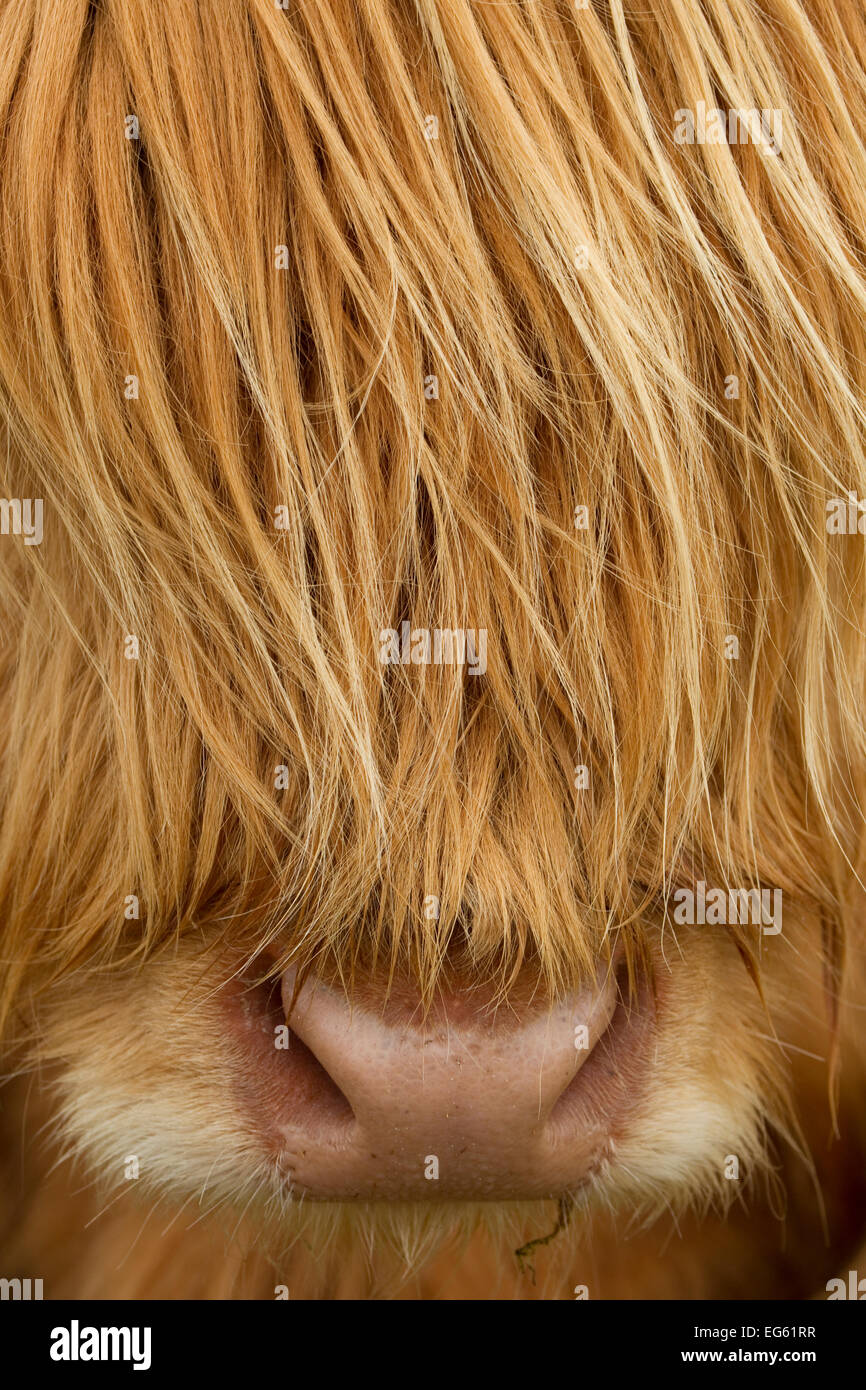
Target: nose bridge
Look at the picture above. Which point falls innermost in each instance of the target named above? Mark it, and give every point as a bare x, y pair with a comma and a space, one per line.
464, 1070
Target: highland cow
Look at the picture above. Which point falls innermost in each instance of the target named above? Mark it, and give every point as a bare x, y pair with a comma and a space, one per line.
328, 975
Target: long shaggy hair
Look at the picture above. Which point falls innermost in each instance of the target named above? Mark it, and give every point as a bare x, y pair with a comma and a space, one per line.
319, 320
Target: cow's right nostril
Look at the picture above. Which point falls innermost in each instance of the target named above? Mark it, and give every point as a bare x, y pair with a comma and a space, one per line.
315, 1089
277, 1073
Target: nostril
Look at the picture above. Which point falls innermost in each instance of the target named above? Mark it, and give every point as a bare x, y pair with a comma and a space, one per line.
592, 1073
587, 1096
313, 1087
284, 1071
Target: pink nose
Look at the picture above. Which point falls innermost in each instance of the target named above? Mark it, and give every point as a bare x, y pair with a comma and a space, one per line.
467, 1103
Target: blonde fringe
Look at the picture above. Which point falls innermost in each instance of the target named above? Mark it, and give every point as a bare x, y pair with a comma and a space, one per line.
561, 384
